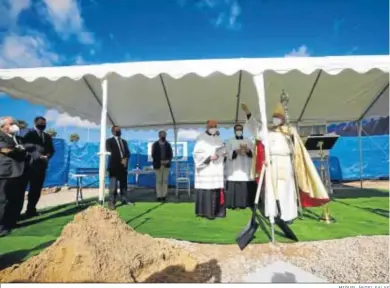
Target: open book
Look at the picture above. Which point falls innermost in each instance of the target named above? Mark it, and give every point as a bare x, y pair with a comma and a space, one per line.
220, 151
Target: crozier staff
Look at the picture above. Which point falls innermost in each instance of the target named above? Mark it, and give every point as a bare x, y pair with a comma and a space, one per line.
209, 174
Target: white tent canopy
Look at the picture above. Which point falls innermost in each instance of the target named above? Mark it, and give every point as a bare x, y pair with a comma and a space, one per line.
152, 95
176, 94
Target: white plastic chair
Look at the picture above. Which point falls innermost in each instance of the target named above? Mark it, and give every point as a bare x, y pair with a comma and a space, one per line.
183, 177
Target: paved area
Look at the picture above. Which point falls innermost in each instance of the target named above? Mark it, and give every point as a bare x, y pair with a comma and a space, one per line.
282, 272
67, 196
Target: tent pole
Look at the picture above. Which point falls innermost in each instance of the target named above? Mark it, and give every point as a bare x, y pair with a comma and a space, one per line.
176, 162
103, 132
270, 200
361, 153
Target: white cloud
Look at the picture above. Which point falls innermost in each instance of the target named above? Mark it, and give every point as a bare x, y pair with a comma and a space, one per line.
80, 60
227, 18
235, 11
65, 120
65, 16
353, 50
17, 6
10, 11
226, 12
187, 134
302, 51
30, 50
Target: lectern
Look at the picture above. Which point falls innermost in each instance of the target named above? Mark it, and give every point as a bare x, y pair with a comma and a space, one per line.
318, 147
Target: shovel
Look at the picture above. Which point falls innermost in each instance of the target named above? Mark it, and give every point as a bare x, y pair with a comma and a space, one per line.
248, 233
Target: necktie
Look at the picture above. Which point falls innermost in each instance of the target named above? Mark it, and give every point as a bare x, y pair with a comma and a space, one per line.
42, 136
121, 146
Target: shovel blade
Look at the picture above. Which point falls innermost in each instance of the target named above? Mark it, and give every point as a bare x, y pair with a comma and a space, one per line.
288, 232
247, 234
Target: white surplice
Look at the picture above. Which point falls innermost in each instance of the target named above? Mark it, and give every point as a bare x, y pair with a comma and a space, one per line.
208, 176
282, 170
239, 169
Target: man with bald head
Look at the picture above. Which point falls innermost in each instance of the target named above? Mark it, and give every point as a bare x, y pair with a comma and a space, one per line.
209, 173
12, 174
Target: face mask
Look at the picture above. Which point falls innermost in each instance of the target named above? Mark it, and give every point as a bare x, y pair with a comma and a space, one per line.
276, 121
238, 133
213, 131
162, 138
117, 133
41, 127
14, 129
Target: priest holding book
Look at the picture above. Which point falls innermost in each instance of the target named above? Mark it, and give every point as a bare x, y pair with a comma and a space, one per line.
209, 153
240, 185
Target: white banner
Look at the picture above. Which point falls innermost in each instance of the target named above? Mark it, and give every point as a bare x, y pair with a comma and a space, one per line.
182, 151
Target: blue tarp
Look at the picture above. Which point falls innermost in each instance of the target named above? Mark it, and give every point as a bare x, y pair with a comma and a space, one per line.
344, 160
57, 172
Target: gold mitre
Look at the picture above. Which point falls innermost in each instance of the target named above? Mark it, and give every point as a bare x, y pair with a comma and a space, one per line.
279, 110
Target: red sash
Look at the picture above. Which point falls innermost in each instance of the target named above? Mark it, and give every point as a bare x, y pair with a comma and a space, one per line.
221, 197
260, 158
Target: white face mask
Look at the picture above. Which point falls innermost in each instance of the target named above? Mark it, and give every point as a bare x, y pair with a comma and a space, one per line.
14, 129
276, 121
238, 133
213, 131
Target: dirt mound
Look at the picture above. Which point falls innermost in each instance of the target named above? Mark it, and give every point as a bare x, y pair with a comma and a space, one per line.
98, 247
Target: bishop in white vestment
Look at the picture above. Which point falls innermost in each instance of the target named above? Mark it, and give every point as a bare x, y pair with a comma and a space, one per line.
281, 153
240, 185
209, 174
288, 176
283, 182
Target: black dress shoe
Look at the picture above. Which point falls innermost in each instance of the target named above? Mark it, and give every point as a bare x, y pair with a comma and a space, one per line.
4, 232
111, 205
31, 214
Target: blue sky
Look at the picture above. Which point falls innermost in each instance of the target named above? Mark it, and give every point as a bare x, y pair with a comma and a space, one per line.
69, 32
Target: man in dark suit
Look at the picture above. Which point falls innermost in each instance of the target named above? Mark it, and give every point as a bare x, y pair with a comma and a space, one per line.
39, 165
13, 179
162, 155
117, 166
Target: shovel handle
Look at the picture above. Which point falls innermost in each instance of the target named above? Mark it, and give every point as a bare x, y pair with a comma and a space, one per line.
259, 185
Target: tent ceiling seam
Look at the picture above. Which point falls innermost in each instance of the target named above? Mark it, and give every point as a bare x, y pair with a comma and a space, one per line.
168, 101
238, 95
89, 86
374, 101
309, 96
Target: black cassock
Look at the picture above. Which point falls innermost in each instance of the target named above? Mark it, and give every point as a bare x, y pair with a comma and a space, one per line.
210, 203
240, 194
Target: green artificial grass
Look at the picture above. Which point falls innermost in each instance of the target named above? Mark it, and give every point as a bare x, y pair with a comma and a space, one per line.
357, 213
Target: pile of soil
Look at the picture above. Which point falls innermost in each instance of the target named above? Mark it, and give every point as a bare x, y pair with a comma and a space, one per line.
97, 246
